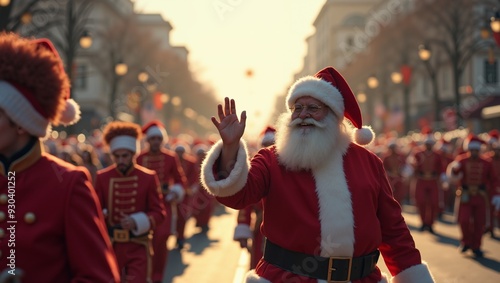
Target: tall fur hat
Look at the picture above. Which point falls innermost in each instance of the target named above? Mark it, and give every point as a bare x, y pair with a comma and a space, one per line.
34, 88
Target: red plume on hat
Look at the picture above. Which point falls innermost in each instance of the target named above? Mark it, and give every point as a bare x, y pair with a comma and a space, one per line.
331, 88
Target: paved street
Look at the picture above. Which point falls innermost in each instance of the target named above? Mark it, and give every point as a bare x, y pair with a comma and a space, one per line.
216, 258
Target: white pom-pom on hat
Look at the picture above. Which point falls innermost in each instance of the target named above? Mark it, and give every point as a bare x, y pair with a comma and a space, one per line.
71, 113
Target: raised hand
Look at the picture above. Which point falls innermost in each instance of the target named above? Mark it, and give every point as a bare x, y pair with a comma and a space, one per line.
230, 128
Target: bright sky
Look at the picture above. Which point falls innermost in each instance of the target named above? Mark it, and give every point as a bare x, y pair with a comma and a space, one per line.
227, 37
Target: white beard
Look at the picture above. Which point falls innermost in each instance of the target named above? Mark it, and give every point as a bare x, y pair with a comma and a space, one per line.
307, 148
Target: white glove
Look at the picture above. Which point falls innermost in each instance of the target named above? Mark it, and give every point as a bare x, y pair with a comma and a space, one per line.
495, 201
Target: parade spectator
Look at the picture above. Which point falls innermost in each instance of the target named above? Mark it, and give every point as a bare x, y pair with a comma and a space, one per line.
172, 183
60, 234
326, 199
249, 219
131, 197
475, 175
427, 170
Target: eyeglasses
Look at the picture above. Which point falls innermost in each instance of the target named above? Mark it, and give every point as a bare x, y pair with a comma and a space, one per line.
311, 108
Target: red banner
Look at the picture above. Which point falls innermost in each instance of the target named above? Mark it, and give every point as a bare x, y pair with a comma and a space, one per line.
406, 72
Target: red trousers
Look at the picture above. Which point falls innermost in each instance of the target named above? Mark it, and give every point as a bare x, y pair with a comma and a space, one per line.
203, 205
184, 211
160, 237
427, 200
133, 261
472, 219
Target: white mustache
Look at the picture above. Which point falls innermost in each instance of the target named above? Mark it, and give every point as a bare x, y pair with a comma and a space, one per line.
298, 121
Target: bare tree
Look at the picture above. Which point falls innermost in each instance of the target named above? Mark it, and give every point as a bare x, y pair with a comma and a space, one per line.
453, 26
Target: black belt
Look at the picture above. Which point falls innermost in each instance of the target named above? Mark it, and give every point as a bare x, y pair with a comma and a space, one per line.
331, 269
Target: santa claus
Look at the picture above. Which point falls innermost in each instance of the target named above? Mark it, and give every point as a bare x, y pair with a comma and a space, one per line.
328, 206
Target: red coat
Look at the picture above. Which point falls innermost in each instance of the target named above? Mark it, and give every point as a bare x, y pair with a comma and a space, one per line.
316, 212
136, 191
60, 234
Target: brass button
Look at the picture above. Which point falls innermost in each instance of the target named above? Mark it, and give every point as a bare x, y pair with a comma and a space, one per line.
29, 218
2, 216
3, 199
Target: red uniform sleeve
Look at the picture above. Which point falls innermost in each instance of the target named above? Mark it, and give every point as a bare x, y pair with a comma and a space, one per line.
156, 210
89, 249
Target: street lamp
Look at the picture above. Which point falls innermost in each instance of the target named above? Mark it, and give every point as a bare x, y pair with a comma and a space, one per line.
495, 22
396, 77
121, 68
361, 97
424, 52
85, 40
372, 82
4, 3
143, 77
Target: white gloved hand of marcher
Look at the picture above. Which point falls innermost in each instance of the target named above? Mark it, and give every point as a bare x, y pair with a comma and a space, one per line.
495, 201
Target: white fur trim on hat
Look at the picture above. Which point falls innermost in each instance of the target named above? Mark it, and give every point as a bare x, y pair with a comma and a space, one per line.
242, 231
233, 182
473, 145
319, 89
123, 142
142, 223
416, 274
20, 110
155, 131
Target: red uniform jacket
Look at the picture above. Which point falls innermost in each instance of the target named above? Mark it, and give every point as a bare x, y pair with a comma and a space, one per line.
136, 191
474, 172
428, 165
59, 232
167, 166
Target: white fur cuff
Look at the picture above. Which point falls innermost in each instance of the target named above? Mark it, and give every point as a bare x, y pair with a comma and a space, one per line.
416, 274
141, 222
252, 277
179, 191
242, 231
236, 179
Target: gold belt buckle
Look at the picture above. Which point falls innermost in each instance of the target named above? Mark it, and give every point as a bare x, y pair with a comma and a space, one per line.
331, 269
121, 236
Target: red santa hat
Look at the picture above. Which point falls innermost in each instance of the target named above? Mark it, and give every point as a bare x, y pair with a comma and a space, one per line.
122, 135
155, 129
473, 142
428, 135
268, 136
494, 136
332, 89
34, 89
